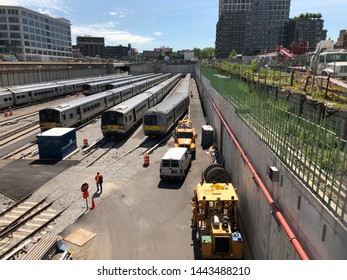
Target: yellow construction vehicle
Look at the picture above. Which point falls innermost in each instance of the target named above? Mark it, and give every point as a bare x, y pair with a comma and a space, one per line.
215, 218
184, 136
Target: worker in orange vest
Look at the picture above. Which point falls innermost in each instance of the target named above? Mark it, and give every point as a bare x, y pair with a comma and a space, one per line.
99, 180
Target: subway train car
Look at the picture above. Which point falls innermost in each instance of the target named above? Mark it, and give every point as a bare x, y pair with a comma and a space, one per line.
72, 86
98, 86
31, 93
35, 93
6, 99
77, 111
158, 120
120, 119
131, 80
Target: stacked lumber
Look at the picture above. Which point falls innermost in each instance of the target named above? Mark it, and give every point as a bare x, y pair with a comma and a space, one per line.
44, 249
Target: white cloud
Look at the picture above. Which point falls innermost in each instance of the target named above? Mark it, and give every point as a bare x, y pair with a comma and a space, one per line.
121, 13
43, 6
112, 36
158, 33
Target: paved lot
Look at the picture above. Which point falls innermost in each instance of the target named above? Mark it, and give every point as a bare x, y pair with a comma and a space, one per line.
19, 178
145, 218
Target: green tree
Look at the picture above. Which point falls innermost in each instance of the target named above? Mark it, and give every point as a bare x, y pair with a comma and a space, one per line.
207, 53
173, 55
197, 53
232, 54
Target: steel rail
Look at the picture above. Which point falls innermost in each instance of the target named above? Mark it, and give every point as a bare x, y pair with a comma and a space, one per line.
14, 222
31, 234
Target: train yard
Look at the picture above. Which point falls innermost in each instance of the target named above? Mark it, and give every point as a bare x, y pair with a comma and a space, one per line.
121, 162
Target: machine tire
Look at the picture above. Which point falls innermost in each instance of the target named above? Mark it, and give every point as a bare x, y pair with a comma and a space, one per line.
216, 173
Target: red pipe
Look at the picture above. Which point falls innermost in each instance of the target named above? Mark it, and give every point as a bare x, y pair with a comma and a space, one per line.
268, 197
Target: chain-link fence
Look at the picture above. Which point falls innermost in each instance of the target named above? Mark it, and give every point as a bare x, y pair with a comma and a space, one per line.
313, 147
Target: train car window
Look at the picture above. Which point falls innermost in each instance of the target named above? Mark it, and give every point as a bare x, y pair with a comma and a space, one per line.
150, 120
119, 120
64, 117
71, 116
129, 118
18, 97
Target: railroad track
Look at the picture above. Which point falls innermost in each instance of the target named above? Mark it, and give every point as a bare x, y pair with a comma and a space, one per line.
23, 222
107, 152
28, 150
11, 136
17, 119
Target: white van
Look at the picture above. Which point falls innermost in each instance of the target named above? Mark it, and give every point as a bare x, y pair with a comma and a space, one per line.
175, 163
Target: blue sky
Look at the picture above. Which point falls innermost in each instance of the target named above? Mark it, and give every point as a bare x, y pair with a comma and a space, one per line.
178, 24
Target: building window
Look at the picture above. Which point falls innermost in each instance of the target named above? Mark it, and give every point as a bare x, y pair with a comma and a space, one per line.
14, 27
12, 12
13, 20
14, 35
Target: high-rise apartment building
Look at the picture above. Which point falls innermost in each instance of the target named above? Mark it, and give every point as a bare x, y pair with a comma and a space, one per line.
32, 36
250, 26
305, 29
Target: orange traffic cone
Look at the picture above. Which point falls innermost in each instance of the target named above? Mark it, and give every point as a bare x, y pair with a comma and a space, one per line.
93, 204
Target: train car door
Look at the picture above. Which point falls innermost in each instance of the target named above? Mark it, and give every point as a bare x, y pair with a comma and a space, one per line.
30, 97
78, 113
134, 114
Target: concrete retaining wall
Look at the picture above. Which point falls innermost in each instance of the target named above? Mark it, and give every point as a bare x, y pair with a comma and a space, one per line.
319, 233
14, 73
163, 68
19, 73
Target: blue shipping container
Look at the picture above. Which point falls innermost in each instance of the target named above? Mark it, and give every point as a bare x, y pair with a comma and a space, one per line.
56, 143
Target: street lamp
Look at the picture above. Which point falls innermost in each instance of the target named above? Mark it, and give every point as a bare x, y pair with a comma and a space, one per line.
40, 77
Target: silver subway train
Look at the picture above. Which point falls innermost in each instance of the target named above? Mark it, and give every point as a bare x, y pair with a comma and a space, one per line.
120, 119
157, 121
80, 110
16, 96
